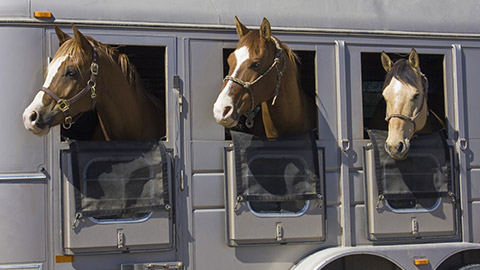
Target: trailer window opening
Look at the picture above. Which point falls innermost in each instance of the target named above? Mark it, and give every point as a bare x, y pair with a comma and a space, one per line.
307, 80
373, 76
374, 107
306, 72
150, 63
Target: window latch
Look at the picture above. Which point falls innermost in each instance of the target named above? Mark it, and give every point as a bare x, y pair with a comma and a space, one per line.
279, 232
176, 86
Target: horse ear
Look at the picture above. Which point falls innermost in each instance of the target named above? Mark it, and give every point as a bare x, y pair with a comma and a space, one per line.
62, 36
386, 62
265, 29
413, 59
81, 39
242, 30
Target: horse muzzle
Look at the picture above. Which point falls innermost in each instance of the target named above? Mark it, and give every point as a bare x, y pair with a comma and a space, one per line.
34, 123
226, 116
397, 150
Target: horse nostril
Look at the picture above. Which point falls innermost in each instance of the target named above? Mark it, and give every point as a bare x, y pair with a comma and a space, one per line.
227, 111
33, 116
400, 147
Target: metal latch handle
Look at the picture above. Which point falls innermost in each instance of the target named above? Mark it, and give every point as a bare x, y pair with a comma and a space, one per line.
345, 145
463, 144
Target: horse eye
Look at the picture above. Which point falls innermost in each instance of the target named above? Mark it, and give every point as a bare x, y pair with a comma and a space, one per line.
255, 65
70, 72
416, 96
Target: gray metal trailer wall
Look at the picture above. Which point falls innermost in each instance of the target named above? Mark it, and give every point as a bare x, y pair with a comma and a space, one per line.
23, 188
194, 42
366, 15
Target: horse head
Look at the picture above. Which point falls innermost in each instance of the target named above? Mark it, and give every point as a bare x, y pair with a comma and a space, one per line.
405, 93
255, 70
69, 86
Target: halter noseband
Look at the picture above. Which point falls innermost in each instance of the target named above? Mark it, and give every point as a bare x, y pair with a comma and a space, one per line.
279, 55
64, 104
412, 118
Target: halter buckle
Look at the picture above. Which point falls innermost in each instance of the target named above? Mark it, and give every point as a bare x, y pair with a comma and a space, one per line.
68, 122
63, 105
94, 68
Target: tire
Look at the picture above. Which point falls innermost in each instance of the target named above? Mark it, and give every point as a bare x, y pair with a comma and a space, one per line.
470, 267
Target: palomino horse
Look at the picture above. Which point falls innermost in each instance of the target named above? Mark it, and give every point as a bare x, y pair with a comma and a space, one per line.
87, 75
264, 71
405, 93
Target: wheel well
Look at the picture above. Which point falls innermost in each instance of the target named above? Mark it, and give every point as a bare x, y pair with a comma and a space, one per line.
361, 261
460, 259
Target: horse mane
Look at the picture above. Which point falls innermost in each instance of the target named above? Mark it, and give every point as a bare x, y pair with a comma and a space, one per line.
292, 56
73, 48
404, 72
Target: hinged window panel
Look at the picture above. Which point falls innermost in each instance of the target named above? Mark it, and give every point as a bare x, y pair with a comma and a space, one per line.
412, 198
275, 190
114, 194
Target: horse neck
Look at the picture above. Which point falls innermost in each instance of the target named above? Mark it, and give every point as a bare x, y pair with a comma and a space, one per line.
119, 108
290, 115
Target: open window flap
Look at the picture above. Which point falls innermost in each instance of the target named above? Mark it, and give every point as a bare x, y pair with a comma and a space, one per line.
119, 178
276, 170
425, 172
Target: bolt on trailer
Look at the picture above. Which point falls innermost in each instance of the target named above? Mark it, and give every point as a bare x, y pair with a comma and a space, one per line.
187, 202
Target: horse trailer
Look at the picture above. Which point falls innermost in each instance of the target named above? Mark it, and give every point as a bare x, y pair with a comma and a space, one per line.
180, 49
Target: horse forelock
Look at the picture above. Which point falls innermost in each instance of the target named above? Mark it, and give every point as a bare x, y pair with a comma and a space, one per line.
257, 46
253, 42
405, 73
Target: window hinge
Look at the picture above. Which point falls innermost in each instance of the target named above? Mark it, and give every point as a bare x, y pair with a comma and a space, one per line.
279, 232
120, 239
414, 226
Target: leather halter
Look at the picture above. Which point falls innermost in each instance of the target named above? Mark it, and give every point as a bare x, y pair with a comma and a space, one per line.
64, 104
279, 55
424, 101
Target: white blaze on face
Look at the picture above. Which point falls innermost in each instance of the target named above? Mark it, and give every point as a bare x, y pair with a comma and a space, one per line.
224, 99
31, 113
399, 94
53, 69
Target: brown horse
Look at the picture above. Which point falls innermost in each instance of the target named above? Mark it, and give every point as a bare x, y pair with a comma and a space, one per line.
264, 71
405, 94
87, 75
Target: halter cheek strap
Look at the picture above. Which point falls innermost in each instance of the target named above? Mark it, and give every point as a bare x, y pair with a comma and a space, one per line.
279, 55
64, 104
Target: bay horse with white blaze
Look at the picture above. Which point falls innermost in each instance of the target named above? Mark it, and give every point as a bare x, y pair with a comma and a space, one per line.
263, 71
405, 93
87, 75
